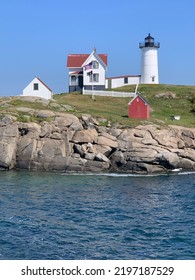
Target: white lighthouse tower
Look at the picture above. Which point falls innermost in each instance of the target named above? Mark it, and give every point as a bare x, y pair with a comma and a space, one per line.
149, 61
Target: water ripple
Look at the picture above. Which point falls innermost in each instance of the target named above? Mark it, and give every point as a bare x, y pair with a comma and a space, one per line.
50, 216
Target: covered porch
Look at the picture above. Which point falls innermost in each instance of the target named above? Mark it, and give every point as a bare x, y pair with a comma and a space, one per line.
76, 81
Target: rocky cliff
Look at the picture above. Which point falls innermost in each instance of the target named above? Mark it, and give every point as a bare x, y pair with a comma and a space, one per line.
69, 144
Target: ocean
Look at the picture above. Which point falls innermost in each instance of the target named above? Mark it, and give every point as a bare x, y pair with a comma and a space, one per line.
55, 216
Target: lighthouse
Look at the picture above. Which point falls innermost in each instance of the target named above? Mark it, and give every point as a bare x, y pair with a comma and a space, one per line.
149, 61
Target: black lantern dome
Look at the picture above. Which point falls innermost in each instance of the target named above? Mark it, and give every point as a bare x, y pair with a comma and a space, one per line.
149, 43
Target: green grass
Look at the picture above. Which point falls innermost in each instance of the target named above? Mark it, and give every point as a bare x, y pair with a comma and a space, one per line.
116, 109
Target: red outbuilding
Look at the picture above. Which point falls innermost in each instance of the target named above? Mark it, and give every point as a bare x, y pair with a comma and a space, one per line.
138, 108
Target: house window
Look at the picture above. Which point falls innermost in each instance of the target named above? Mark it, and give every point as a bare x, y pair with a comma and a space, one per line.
36, 86
126, 80
73, 80
94, 78
95, 64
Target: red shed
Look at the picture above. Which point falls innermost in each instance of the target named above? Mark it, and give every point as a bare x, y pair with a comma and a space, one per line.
139, 108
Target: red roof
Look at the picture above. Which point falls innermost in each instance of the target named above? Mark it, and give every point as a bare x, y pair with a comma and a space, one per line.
77, 60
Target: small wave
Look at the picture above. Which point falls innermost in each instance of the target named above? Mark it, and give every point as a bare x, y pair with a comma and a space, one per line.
114, 174
177, 171
186, 173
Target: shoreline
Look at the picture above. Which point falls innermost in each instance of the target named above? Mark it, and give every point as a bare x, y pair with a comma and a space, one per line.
69, 144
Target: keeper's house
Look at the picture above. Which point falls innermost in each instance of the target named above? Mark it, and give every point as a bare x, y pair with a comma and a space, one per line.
87, 70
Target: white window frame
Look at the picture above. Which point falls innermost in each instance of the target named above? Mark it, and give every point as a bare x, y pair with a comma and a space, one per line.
95, 64
94, 78
36, 86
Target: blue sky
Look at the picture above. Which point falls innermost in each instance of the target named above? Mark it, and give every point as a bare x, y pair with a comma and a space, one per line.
37, 35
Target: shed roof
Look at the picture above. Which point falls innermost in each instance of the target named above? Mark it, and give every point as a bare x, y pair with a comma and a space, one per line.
141, 97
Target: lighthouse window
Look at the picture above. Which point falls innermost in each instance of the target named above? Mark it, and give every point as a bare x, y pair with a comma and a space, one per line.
126, 80
153, 79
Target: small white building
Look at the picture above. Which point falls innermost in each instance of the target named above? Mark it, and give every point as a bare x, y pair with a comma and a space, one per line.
87, 71
37, 88
120, 81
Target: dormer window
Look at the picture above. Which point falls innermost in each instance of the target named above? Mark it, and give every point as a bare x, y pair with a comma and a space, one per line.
95, 64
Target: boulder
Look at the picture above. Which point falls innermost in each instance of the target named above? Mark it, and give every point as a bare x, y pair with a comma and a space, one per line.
51, 148
90, 156
109, 136
56, 136
89, 121
101, 157
105, 141
75, 164
149, 141
169, 159
26, 148
115, 131
44, 114
141, 154
7, 120
46, 130
32, 99
105, 150
96, 166
187, 164
166, 137
63, 120
85, 136
29, 130
186, 153
78, 149
188, 133
66, 107
8, 131
117, 160
166, 95
26, 110
188, 138
8, 153
54, 105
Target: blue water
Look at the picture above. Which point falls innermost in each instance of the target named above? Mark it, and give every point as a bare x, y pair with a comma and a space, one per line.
58, 216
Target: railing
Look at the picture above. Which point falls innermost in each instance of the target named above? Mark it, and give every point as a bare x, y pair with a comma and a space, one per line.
149, 44
108, 93
74, 83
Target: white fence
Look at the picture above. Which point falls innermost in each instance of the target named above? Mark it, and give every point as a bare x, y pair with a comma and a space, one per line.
108, 93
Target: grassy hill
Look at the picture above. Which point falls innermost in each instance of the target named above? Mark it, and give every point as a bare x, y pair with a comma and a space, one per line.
165, 101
